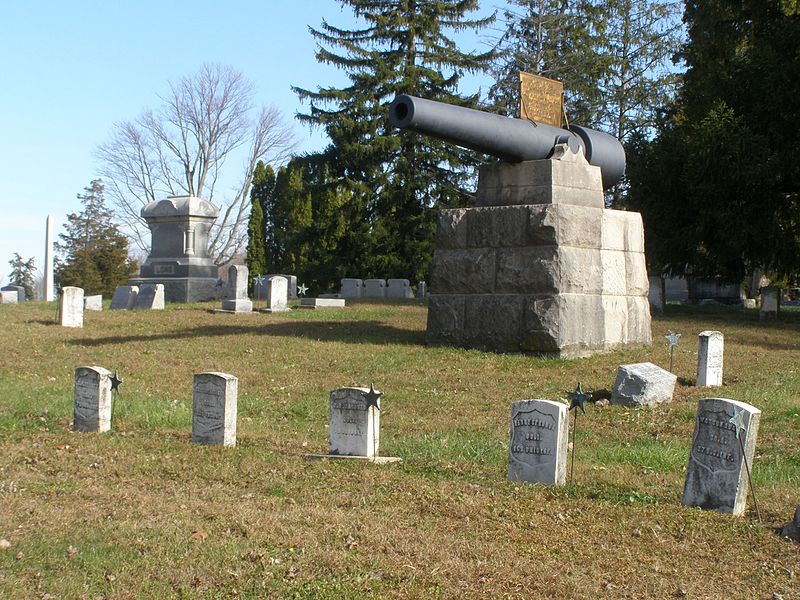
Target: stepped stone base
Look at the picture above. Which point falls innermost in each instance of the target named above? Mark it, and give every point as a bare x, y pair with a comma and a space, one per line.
563, 277
183, 289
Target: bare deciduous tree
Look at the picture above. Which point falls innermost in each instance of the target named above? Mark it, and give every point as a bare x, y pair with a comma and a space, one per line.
182, 148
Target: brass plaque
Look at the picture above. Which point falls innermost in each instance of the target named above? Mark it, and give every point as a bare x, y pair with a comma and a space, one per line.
540, 99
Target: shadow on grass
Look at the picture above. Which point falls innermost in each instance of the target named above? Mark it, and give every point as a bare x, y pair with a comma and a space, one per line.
354, 332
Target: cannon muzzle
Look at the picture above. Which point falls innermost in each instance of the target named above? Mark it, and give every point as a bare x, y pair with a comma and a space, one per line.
512, 140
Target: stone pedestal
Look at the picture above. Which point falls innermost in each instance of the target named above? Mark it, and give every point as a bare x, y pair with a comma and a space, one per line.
179, 259
539, 265
237, 290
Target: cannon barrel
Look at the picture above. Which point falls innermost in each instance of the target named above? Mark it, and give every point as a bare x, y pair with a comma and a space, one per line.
509, 139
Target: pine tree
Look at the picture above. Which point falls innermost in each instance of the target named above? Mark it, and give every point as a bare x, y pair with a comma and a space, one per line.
263, 182
22, 274
394, 178
94, 254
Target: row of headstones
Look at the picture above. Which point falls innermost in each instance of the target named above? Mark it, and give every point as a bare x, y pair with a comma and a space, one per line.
277, 291
380, 288
724, 435
147, 296
769, 307
72, 303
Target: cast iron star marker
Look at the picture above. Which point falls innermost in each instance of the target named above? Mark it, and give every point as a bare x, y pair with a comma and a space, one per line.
116, 381
578, 398
672, 338
737, 420
372, 397
301, 289
219, 283
259, 280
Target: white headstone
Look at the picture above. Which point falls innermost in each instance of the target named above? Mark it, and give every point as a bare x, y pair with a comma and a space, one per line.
643, 384
92, 408
374, 288
21, 295
277, 294
716, 477
237, 301
710, 345
354, 427
9, 297
150, 297
422, 289
537, 450
770, 302
655, 294
49, 286
398, 288
214, 401
93, 302
352, 288
70, 307
124, 297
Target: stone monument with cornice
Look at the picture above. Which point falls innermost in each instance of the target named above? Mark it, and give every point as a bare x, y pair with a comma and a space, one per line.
179, 258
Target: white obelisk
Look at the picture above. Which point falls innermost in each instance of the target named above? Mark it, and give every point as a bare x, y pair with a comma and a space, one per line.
49, 288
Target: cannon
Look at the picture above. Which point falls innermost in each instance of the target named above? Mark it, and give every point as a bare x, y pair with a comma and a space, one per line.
508, 139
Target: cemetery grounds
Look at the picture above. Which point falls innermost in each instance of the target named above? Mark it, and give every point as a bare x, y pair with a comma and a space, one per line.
141, 512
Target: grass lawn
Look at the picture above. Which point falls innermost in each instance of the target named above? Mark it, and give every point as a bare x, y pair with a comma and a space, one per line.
143, 513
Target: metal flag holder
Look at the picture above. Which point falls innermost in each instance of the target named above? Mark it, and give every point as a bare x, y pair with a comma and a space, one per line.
577, 400
738, 423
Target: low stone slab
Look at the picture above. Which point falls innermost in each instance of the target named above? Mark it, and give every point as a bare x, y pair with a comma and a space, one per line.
92, 404
322, 303
9, 297
643, 384
214, 406
537, 450
150, 297
716, 476
378, 460
124, 297
94, 302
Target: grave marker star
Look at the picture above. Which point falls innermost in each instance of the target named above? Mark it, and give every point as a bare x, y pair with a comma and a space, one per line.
672, 341
372, 397
116, 381
301, 290
258, 285
737, 420
576, 401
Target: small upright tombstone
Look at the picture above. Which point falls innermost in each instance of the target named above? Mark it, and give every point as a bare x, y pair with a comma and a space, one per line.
537, 451
92, 407
291, 283
70, 307
656, 292
214, 400
9, 297
398, 288
277, 294
150, 297
94, 302
354, 426
21, 295
770, 302
124, 297
716, 477
238, 301
643, 384
374, 288
422, 289
352, 288
709, 358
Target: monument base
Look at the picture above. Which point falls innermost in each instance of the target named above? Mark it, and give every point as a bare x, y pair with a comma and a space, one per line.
183, 289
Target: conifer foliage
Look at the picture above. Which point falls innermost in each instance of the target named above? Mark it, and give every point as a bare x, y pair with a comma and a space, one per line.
22, 274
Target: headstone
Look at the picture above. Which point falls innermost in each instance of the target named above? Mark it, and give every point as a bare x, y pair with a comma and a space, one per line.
124, 297
150, 297
398, 288
70, 307
8, 297
277, 294
322, 302
422, 289
770, 302
214, 400
792, 529
92, 408
537, 451
710, 346
291, 282
656, 293
354, 427
237, 301
716, 477
21, 295
49, 281
352, 288
94, 302
750, 303
374, 288
642, 384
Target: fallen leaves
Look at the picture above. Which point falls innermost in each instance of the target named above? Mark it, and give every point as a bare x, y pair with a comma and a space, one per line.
198, 535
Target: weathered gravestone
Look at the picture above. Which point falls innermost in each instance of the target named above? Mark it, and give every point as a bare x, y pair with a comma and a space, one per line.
656, 293
399, 288
150, 297
70, 307
214, 401
277, 294
642, 384
422, 289
537, 450
710, 346
9, 297
374, 288
770, 302
716, 477
21, 295
92, 407
94, 302
237, 301
124, 297
352, 288
322, 302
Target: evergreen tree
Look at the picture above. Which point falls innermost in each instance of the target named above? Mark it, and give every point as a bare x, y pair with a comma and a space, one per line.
22, 274
263, 182
393, 179
94, 252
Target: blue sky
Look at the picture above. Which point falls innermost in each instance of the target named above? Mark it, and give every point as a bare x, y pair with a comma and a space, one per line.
70, 70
